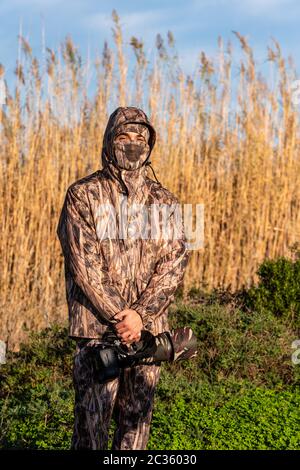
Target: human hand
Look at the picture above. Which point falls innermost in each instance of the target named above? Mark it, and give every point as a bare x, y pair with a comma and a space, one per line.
130, 326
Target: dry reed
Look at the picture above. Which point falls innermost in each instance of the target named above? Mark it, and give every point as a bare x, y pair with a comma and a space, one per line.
233, 149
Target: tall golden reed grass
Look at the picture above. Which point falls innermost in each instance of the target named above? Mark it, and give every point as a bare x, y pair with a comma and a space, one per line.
227, 138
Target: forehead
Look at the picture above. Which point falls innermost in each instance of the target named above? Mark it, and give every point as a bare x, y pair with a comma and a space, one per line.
133, 129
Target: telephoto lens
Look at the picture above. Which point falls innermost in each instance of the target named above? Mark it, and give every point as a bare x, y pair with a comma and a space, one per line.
170, 346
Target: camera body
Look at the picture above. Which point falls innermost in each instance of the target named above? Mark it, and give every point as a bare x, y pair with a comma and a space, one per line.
110, 356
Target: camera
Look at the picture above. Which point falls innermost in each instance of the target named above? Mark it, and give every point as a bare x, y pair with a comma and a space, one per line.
110, 356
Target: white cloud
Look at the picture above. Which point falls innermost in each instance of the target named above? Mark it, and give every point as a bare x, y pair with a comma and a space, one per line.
198, 4
249, 5
144, 25
17, 5
97, 21
139, 20
143, 19
274, 10
269, 10
30, 3
262, 5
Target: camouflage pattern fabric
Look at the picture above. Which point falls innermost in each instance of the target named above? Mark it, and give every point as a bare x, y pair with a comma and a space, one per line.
106, 273
130, 397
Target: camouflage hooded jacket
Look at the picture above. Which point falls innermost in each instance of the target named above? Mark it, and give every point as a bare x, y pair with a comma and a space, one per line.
105, 274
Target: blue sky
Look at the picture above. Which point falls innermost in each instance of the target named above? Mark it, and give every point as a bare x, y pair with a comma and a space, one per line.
196, 25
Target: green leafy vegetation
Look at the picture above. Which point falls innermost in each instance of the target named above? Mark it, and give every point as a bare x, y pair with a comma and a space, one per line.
278, 290
240, 392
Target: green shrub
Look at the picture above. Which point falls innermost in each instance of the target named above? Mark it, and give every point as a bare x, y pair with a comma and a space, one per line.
236, 344
278, 290
36, 395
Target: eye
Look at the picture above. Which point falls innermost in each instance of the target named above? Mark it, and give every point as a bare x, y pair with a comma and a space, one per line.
121, 138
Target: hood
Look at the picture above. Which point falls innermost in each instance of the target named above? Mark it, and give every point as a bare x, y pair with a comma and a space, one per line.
124, 115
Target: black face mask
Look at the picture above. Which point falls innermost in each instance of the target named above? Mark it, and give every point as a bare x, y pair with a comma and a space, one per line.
130, 156
133, 151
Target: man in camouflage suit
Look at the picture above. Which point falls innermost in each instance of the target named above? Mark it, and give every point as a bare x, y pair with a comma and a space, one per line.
126, 281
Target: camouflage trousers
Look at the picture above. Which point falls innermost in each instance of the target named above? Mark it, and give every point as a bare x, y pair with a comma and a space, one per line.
129, 398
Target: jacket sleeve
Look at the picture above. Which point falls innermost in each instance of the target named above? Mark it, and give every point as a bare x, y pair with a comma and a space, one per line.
168, 275
78, 238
